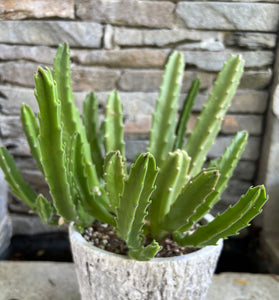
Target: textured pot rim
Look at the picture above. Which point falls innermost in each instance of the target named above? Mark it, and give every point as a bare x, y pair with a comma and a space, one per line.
203, 251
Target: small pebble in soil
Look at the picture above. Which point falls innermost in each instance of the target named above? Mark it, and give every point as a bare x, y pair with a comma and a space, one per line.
104, 237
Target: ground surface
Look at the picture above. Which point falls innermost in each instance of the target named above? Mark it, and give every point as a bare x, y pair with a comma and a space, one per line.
57, 281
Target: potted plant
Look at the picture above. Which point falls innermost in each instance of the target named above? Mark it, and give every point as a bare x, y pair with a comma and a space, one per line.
160, 201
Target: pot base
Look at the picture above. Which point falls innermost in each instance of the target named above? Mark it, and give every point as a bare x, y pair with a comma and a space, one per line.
106, 276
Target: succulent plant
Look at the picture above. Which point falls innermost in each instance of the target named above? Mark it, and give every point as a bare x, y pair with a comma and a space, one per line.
164, 192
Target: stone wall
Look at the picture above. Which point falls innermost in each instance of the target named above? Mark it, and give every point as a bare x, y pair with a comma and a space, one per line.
269, 173
124, 45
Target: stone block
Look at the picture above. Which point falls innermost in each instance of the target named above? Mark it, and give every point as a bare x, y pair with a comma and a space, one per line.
94, 79
251, 123
213, 61
16, 146
136, 105
256, 79
27, 163
234, 123
163, 37
150, 80
229, 16
133, 147
128, 13
251, 152
83, 78
51, 33
251, 40
10, 126
209, 45
249, 102
28, 9
40, 54
133, 102
19, 73
140, 80
243, 102
124, 58
141, 104
245, 170
11, 99
137, 127
108, 37
235, 189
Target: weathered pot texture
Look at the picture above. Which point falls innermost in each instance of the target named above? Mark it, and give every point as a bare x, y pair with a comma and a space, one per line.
5, 222
105, 275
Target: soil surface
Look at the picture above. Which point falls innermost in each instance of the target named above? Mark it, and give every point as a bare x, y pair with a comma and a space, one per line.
104, 237
240, 253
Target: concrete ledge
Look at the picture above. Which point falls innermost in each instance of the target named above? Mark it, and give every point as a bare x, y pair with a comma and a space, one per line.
38, 280
238, 286
57, 281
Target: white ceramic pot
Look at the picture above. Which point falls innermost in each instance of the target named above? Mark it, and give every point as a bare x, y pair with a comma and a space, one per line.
5, 234
5, 222
104, 275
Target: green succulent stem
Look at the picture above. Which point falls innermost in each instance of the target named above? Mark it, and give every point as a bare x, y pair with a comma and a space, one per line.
114, 176
68, 112
13, 176
209, 123
51, 143
185, 114
91, 122
32, 131
134, 200
230, 222
191, 197
114, 132
46, 210
226, 165
92, 197
62, 77
162, 134
170, 180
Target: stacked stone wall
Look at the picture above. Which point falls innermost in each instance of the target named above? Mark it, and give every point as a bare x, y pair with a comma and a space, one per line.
124, 45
